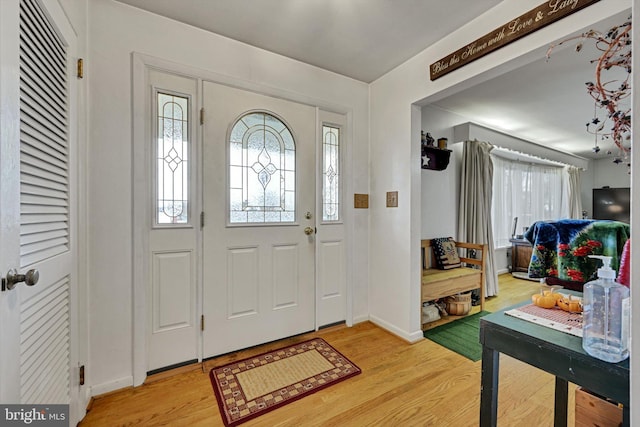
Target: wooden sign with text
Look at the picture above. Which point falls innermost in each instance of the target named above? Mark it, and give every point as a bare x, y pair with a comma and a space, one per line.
531, 21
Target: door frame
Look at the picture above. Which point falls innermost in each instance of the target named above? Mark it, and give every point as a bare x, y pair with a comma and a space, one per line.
141, 181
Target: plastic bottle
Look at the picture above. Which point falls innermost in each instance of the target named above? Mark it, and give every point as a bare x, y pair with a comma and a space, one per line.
605, 327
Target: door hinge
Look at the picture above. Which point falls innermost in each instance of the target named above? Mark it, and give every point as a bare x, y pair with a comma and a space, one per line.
201, 220
202, 116
81, 375
80, 68
202, 322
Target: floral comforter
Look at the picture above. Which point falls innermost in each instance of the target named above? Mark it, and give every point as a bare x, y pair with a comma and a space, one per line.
561, 248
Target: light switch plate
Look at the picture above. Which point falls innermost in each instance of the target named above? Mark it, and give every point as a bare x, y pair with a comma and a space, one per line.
361, 201
392, 199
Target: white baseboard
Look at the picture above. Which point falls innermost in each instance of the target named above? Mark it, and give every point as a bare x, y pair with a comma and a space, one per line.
109, 386
360, 319
412, 337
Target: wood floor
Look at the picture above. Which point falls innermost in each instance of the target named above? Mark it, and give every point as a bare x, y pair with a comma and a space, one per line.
401, 384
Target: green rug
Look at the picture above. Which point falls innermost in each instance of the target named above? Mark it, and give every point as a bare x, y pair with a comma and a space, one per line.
461, 336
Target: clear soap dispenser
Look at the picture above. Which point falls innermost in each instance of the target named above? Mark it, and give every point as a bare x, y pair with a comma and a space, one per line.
605, 322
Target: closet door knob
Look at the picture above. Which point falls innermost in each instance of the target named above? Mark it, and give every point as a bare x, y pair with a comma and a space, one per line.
30, 278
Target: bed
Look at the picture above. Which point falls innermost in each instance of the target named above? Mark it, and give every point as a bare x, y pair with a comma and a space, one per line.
561, 249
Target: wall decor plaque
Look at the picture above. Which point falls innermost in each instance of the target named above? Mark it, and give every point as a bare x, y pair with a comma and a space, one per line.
537, 18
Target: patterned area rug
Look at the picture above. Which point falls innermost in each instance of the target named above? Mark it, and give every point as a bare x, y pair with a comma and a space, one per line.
461, 336
256, 385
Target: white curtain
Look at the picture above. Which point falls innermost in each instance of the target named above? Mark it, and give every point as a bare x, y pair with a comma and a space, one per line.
529, 192
572, 192
474, 221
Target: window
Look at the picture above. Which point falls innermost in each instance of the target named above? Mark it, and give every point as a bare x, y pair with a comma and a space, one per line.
529, 192
172, 154
262, 168
330, 173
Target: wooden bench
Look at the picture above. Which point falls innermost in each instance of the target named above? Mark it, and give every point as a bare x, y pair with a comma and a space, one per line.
438, 283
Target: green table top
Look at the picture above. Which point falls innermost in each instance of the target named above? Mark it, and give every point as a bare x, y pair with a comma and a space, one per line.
556, 352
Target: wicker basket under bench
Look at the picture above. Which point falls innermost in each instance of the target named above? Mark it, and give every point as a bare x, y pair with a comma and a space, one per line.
438, 283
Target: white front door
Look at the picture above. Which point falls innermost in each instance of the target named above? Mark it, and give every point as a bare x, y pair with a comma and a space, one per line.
259, 198
38, 206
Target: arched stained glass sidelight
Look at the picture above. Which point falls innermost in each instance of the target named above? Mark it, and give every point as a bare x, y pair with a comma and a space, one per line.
172, 159
262, 168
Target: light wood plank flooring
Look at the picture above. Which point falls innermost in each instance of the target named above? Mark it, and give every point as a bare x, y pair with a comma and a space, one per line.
401, 384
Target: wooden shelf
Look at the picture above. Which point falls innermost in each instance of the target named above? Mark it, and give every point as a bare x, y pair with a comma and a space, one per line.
435, 158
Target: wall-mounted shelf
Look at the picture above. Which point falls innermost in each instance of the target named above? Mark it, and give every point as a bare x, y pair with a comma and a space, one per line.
435, 158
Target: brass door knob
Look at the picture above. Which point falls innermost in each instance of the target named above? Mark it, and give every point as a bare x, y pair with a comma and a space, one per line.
308, 231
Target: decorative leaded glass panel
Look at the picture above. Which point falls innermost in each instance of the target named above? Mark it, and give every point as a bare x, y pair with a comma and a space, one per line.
172, 157
262, 167
330, 173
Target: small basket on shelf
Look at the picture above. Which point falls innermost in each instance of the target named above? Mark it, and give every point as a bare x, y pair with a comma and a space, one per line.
459, 305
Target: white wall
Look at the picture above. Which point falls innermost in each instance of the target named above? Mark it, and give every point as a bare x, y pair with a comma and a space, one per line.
607, 173
395, 154
117, 30
441, 189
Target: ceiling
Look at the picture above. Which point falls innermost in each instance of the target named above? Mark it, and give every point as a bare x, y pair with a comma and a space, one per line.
544, 102
362, 39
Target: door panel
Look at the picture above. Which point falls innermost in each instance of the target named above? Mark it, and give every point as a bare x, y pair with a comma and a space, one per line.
258, 279
173, 337
242, 286
172, 306
330, 255
285, 276
45, 324
173, 332
331, 247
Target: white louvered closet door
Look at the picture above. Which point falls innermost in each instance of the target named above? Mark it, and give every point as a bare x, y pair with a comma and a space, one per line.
47, 360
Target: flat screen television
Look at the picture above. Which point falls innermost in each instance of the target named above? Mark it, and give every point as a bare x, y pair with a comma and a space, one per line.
612, 203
